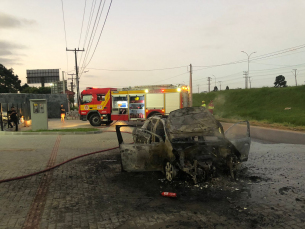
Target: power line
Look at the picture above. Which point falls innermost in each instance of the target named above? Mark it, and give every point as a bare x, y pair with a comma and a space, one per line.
93, 32
253, 74
135, 70
100, 34
239, 79
275, 55
235, 62
280, 52
272, 74
63, 17
272, 69
88, 26
94, 29
268, 64
171, 77
220, 77
81, 31
264, 56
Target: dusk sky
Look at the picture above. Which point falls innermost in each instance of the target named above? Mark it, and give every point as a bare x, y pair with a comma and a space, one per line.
158, 34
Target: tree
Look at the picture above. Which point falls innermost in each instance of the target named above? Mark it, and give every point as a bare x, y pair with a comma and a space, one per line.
9, 83
227, 88
44, 90
24, 87
215, 88
35, 90
280, 81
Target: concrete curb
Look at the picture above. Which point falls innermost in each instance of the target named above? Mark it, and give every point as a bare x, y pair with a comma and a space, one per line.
274, 135
48, 133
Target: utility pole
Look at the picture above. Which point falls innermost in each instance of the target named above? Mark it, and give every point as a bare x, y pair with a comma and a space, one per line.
209, 83
191, 86
220, 85
250, 82
76, 68
72, 81
246, 78
63, 82
198, 88
295, 76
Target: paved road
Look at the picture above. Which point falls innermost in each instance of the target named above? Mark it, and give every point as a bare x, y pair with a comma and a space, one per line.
91, 192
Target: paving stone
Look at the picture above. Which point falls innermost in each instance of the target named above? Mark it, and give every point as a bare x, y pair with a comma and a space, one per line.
84, 195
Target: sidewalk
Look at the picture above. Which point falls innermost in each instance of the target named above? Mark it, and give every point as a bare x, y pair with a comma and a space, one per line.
68, 124
56, 124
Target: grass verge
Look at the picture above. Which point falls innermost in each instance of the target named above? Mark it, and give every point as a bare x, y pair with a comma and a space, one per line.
282, 108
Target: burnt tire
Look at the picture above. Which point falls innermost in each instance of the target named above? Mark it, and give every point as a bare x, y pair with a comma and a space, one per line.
95, 120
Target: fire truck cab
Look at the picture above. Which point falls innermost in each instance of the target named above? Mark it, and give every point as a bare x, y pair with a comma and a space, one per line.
103, 105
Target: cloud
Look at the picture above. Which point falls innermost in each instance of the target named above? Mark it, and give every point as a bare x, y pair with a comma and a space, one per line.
9, 21
7, 48
10, 45
5, 52
6, 61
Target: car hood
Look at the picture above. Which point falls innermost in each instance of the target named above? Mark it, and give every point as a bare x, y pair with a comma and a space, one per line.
192, 121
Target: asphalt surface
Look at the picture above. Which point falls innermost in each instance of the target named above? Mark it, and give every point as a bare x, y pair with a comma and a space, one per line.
92, 192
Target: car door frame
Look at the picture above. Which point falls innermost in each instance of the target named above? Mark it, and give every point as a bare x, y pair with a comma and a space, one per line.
241, 144
141, 156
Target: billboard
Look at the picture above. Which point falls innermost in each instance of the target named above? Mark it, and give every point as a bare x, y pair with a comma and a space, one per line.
42, 76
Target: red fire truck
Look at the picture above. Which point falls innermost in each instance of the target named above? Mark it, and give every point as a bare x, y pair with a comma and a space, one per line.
103, 105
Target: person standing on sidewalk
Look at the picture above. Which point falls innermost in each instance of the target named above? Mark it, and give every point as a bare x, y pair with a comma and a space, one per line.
62, 113
13, 117
9, 121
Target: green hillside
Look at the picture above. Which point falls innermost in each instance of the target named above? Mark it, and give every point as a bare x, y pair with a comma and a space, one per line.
262, 104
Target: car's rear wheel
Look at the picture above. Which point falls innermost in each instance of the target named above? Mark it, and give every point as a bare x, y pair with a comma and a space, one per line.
95, 120
170, 171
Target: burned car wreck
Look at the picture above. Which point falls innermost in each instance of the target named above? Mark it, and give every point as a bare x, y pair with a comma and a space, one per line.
190, 140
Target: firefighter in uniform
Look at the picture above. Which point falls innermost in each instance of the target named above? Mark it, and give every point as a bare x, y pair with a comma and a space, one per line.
211, 107
203, 104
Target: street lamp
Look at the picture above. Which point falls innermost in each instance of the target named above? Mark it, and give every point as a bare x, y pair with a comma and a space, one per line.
246, 82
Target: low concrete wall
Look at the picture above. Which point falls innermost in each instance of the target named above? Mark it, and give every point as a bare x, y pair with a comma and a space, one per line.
53, 100
273, 135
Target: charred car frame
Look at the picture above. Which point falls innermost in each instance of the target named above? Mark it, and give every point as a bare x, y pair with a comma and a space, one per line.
189, 140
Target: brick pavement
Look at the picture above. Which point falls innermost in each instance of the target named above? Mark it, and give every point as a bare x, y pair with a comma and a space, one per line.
93, 193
